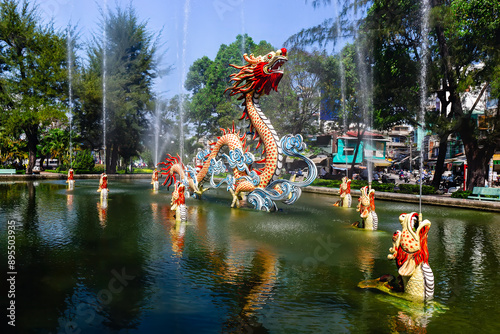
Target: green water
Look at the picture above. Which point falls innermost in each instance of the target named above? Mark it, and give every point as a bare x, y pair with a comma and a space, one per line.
131, 268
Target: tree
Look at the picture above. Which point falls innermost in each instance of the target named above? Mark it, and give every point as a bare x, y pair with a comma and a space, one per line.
55, 143
130, 70
33, 74
347, 80
207, 80
468, 33
294, 108
11, 148
463, 34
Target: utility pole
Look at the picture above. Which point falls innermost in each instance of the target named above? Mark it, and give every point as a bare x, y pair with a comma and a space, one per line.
409, 141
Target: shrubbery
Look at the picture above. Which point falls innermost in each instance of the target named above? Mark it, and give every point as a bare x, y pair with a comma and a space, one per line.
461, 194
382, 187
415, 189
326, 183
84, 162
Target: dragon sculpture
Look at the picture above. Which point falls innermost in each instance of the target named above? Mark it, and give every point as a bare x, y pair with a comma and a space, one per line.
179, 202
71, 179
345, 200
409, 249
154, 180
366, 209
258, 77
103, 186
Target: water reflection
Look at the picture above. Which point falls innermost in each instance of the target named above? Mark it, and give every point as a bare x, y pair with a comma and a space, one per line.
367, 254
69, 202
452, 238
404, 323
493, 232
177, 232
255, 288
102, 211
233, 270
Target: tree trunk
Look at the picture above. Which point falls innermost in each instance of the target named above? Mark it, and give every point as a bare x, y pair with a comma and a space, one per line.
477, 171
478, 157
438, 172
42, 159
356, 151
32, 135
112, 160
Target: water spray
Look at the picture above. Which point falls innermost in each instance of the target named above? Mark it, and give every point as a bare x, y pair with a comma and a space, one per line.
104, 69
70, 93
342, 93
423, 90
187, 8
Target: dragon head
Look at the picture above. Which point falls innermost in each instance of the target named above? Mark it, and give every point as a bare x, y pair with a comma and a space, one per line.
345, 186
366, 202
259, 75
410, 245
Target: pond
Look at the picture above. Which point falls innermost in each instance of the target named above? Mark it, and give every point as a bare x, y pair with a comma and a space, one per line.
130, 267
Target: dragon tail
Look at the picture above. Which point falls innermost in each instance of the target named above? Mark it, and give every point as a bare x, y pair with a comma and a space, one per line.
172, 166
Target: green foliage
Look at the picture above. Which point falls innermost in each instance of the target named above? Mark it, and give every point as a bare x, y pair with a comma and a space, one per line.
463, 34
61, 168
461, 194
209, 108
136, 171
326, 183
11, 148
355, 184
83, 161
415, 189
32, 74
293, 108
383, 187
130, 70
55, 142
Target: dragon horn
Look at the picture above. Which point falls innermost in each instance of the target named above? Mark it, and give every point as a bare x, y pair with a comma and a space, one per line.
250, 59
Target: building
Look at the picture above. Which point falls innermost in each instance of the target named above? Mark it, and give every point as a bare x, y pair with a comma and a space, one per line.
372, 149
398, 146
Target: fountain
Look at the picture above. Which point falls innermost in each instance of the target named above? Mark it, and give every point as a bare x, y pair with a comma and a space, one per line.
425, 8
343, 92
138, 269
104, 73
258, 77
187, 8
70, 94
416, 279
157, 130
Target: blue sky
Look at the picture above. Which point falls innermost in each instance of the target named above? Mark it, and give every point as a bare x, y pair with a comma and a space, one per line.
209, 24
